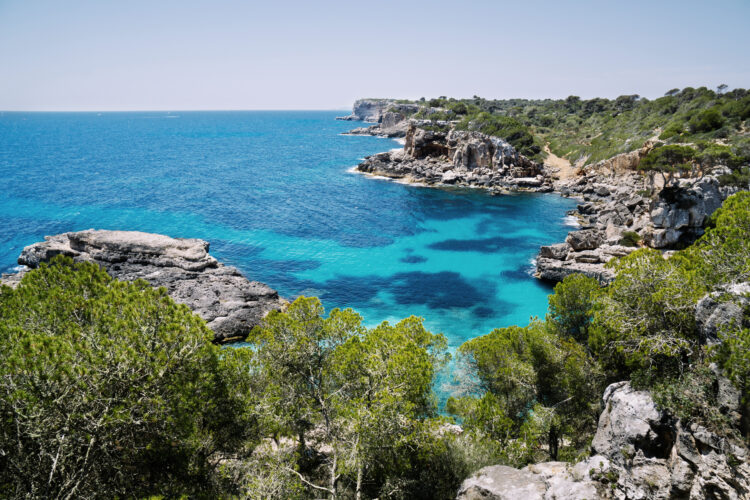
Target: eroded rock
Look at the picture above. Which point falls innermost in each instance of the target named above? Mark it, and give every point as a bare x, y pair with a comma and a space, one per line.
639, 452
230, 304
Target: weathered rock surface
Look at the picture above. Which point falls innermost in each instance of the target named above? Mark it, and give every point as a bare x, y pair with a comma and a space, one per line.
615, 202
230, 304
638, 452
460, 158
368, 110
722, 309
555, 262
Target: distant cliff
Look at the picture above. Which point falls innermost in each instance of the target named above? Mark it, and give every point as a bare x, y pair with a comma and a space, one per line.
368, 110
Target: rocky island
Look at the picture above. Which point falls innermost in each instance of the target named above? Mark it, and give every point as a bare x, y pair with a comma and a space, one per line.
230, 304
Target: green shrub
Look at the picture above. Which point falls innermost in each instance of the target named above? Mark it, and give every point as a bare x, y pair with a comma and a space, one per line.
571, 306
706, 121
110, 389
645, 323
630, 239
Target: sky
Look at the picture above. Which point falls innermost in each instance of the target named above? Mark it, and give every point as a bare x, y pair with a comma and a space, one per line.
279, 54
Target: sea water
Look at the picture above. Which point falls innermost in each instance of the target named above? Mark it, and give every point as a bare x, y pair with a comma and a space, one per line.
274, 194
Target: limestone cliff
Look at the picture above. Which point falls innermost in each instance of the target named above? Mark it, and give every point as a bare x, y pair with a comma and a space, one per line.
458, 157
374, 110
230, 304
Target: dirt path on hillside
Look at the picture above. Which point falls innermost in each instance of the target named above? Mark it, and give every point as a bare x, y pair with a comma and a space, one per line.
564, 169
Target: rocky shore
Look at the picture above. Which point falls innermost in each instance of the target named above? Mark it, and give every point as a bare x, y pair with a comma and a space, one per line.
230, 304
458, 158
618, 216
618, 213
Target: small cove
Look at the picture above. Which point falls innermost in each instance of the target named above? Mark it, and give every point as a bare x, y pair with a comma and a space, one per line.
272, 193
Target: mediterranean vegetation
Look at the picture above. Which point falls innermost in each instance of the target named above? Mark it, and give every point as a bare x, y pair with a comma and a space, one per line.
710, 125
110, 389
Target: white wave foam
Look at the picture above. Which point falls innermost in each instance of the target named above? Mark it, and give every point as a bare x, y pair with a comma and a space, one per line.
571, 221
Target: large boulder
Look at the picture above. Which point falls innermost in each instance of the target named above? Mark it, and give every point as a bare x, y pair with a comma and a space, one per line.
682, 209
230, 304
722, 309
631, 423
499, 482
586, 239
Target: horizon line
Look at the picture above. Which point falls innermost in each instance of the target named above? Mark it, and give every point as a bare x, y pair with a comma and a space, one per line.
162, 110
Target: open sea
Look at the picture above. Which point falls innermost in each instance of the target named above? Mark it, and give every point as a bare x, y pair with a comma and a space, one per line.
273, 194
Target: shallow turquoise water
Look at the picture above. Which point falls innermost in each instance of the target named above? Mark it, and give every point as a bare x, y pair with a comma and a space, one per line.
272, 193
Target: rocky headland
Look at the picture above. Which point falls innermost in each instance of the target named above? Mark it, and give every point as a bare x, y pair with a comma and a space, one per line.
458, 158
230, 304
621, 210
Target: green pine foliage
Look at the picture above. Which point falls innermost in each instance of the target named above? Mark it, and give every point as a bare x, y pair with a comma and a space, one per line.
111, 389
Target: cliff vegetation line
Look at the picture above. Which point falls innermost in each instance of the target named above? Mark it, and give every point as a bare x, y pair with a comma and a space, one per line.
712, 124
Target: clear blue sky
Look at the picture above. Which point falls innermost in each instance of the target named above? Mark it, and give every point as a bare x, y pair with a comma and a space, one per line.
278, 54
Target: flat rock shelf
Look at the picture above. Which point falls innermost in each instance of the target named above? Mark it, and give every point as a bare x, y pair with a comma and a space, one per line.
230, 303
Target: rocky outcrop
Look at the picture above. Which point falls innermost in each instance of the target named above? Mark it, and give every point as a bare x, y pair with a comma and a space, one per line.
722, 309
385, 112
624, 162
230, 304
555, 262
681, 210
392, 122
638, 452
615, 205
461, 158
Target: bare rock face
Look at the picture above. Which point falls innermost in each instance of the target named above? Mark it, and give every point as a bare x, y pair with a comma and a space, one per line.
502, 483
639, 452
722, 309
615, 203
456, 157
681, 210
368, 110
230, 304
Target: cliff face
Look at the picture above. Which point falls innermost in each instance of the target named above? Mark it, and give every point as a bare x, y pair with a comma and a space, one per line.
616, 203
460, 158
372, 110
230, 304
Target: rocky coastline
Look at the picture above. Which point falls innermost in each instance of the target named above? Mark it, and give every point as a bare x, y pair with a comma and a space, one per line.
618, 212
458, 158
230, 304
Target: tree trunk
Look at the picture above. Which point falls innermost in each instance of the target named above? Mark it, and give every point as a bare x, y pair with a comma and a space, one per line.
359, 479
554, 442
334, 478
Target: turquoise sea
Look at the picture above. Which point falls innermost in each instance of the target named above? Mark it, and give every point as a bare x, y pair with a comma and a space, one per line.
273, 194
